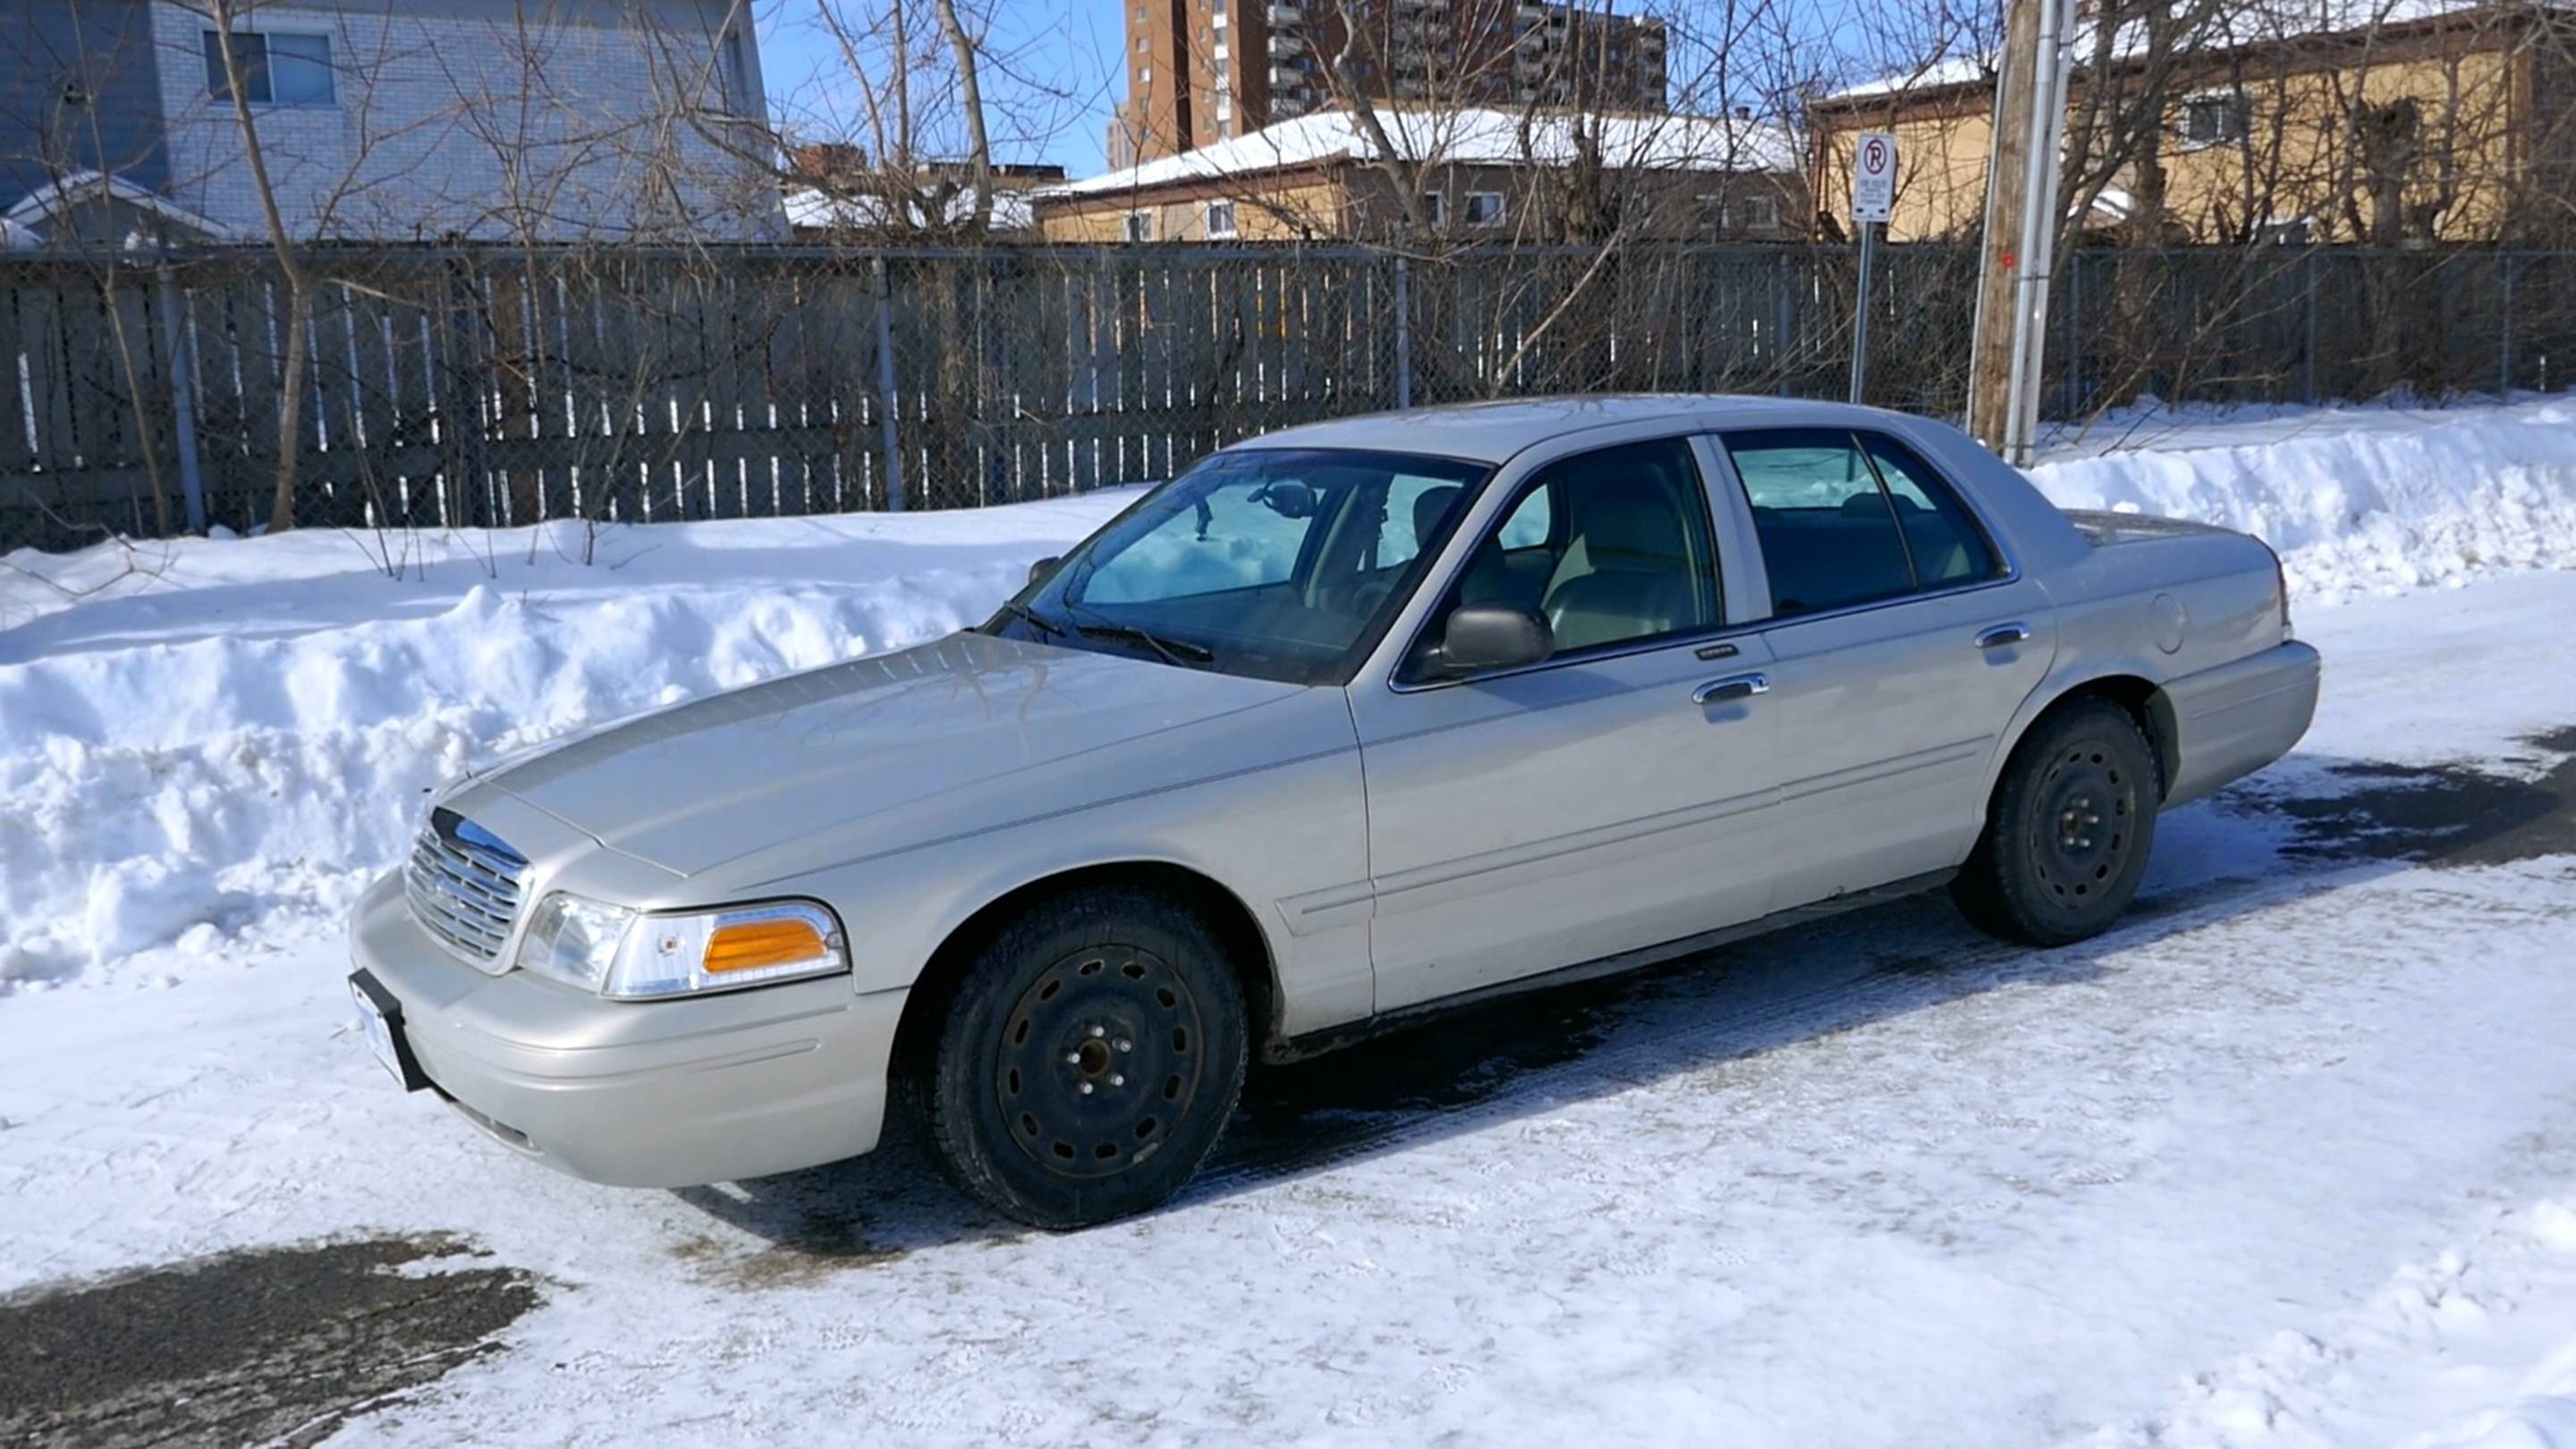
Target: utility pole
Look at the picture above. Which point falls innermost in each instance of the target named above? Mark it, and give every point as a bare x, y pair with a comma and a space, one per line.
2020, 230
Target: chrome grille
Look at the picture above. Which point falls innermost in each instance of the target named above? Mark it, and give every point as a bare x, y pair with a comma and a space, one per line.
463, 885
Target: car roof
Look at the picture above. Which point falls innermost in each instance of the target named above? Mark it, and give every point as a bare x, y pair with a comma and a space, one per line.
1490, 432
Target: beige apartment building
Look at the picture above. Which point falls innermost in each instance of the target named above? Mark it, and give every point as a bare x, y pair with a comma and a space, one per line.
1204, 71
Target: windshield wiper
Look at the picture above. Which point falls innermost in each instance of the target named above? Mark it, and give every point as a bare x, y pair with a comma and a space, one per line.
1046, 626
1174, 651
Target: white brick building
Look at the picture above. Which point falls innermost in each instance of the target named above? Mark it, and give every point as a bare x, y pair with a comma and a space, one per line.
507, 120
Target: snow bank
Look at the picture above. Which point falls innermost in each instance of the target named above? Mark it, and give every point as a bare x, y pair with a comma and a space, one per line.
2358, 499
194, 732
222, 726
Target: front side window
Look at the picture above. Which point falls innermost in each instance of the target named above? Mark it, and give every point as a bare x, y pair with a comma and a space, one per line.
1220, 218
1140, 226
1613, 548
1278, 563
1847, 519
277, 68
1484, 208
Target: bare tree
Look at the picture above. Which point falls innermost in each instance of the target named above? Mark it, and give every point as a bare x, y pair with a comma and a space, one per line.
224, 16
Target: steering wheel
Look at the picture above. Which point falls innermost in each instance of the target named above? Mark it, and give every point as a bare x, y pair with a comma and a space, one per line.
1358, 600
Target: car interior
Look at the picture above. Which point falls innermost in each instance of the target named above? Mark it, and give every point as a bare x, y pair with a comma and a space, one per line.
1619, 549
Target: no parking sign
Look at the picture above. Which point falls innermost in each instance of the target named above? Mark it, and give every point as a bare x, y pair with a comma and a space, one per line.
1873, 176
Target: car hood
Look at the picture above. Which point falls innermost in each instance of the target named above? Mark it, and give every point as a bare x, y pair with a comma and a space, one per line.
694, 786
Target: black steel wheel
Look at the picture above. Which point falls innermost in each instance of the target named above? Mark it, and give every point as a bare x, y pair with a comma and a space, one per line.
2068, 832
1088, 1059
1100, 1052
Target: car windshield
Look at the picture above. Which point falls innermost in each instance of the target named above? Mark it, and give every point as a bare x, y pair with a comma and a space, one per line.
1282, 563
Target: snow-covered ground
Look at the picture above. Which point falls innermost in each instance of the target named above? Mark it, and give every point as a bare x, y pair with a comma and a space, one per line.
2288, 1160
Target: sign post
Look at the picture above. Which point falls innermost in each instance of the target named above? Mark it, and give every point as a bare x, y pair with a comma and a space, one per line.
1873, 199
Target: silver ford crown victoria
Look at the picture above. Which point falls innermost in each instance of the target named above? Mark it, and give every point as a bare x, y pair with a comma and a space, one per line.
1348, 723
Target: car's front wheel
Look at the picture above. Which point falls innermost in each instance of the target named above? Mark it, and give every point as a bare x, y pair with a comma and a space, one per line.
1087, 1059
2068, 830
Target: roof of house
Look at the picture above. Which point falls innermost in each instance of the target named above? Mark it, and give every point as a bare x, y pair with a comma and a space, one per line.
54, 197
2228, 28
1467, 136
811, 210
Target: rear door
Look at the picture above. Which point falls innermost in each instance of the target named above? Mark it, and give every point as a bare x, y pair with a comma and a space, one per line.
1902, 642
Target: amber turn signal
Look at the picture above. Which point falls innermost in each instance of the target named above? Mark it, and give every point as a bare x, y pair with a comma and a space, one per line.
753, 945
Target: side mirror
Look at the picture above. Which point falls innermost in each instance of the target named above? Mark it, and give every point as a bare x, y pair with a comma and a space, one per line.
1487, 636
1039, 569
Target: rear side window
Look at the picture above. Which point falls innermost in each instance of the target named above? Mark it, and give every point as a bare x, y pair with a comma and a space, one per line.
1849, 519
1939, 534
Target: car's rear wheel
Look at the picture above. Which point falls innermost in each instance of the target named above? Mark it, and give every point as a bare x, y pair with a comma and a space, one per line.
1087, 1059
2068, 831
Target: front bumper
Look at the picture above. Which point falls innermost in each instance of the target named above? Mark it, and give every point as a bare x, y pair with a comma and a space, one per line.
637, 1094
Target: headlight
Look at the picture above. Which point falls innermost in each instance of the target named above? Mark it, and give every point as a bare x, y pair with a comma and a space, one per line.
574, 939
628, 956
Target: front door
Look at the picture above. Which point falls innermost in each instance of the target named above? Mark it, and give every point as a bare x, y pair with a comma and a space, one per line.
1902, 645
1601, 801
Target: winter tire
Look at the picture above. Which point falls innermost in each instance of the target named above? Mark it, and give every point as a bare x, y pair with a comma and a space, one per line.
2068, 830
1087, 1060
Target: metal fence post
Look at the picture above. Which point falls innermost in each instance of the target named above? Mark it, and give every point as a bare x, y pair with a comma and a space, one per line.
2308, 347
885, 390
1784, 321
2074, 363
2504, 348
1403, 335
183, 395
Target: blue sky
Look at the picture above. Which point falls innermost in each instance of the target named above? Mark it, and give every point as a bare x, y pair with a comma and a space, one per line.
1053, 70
1057, 79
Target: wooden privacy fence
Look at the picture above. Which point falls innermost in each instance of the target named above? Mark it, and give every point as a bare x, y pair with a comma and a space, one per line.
452, 387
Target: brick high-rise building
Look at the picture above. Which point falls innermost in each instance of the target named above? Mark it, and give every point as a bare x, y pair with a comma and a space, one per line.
1203, 71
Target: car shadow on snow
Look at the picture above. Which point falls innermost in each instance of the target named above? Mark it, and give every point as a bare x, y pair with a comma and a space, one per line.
2313, 824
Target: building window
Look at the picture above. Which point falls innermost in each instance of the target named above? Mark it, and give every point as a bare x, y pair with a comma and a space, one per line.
1484, 208
277, 69
733, 75
1140, 45
1220, 218
1140, 226
1435, 208
1754, 213
2214, 120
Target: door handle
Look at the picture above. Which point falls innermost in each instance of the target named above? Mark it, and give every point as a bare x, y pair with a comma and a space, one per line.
1733, 686
2004, 634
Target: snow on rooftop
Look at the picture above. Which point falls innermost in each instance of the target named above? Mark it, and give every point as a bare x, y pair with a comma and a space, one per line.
1469, 136
809, 209
2225, 29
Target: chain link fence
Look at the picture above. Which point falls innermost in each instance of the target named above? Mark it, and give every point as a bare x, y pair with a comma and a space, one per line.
450, 388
